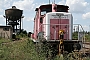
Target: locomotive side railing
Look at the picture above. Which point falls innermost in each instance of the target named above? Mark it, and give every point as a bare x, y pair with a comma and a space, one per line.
78, 32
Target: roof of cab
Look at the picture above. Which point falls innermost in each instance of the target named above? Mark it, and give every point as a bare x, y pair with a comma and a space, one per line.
50, 5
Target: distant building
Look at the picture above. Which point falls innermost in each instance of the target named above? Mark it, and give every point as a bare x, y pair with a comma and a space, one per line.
6, 32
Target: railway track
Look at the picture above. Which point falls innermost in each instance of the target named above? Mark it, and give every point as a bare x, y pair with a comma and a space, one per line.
86, 48
86, 45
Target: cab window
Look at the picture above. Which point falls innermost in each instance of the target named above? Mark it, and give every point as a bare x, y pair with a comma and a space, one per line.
45, 10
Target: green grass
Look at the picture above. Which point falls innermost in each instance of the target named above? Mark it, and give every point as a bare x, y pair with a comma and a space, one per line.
3, 40
87, 38
18, 50
22, 50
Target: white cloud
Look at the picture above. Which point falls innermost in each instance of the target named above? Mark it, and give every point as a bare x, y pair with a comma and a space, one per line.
28, 29
86, 15
86, 28
2, 18
4, 4
24, 4
77, 6
74, 20
62, 2
1, 10
39, 4
28, 19
1, 24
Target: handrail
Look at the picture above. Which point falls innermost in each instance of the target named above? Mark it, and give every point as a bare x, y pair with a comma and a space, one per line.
67, 24
83, 38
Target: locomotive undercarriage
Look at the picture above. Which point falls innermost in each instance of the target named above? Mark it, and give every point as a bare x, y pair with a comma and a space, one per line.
51, 48
69, 46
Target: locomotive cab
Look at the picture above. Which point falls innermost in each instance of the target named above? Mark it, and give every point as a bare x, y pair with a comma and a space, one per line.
41, 15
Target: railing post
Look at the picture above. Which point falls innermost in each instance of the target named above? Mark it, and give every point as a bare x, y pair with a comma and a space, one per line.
78, 32
55, 32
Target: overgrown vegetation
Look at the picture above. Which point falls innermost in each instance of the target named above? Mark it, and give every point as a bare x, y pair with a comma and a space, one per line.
25, 49
22, 34
18, 50
87, 35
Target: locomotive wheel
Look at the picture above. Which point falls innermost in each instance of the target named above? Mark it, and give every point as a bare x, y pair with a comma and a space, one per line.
77, 46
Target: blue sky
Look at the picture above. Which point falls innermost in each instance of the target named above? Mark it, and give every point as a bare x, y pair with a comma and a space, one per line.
80, 10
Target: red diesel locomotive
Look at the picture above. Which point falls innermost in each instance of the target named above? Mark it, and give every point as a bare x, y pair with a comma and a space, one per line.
54, 24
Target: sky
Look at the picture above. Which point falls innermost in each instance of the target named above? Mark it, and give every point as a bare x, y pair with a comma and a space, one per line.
80, 10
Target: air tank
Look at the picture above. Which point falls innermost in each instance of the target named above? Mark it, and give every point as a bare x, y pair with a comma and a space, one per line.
13, 13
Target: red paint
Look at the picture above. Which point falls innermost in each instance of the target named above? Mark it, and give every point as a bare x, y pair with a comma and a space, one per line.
58, 27
32, 35
36, 22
